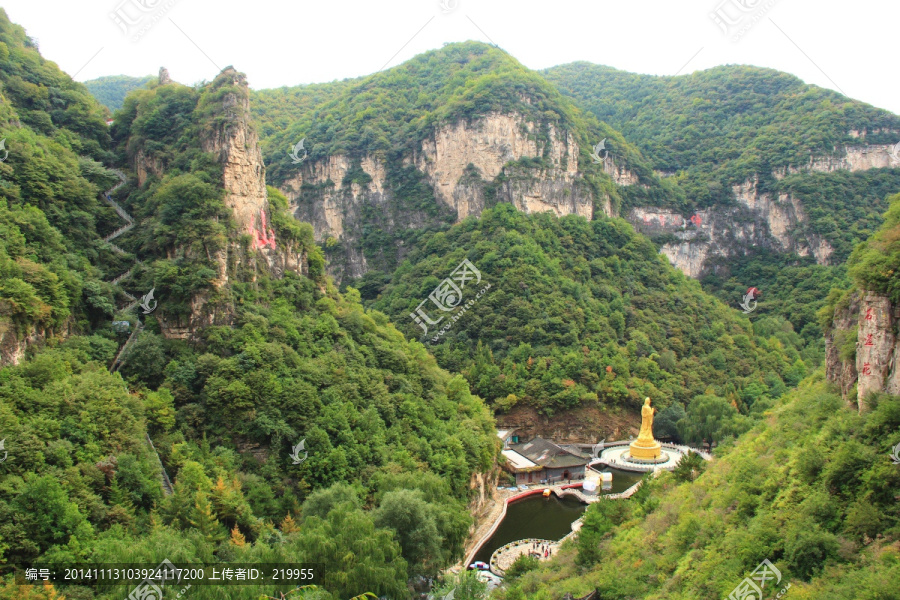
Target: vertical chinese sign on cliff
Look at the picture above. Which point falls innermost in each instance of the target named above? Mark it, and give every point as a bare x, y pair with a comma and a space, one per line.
874, 344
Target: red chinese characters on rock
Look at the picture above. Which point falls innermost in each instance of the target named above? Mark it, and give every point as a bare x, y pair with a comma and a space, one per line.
263, 237
869, 315
867, 369
869, 341
696, 220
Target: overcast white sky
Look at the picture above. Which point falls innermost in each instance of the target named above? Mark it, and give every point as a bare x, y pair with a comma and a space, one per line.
845, 46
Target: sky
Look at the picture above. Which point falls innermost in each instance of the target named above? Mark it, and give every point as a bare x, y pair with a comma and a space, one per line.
847, 47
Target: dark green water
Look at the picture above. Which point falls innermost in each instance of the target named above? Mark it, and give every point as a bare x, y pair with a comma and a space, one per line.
534, 517
622, 480
545, 518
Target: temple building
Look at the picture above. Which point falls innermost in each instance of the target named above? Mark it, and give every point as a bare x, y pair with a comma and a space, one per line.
542, 461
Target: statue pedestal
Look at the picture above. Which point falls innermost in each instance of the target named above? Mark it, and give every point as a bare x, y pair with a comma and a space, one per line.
644, 449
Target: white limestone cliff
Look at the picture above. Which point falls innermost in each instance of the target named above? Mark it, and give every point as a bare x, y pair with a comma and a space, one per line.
761, 219
458, 161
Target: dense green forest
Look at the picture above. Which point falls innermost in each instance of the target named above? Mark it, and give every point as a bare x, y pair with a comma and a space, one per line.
307, 423
110, 91
391, 439
585, 312
726, 123
55, 139
716, 128
811, 488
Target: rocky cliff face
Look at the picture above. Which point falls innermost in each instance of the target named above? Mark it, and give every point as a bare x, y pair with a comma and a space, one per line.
233, 140
236, 145
758, 220
490, 144
14, 344
467, 165
707, 233
145, 166
872, 320
854, 158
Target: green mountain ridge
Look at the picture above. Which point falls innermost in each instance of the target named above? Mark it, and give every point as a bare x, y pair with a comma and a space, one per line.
812, 488
756, 117
110, 91
582, 312
302, 422
726, 126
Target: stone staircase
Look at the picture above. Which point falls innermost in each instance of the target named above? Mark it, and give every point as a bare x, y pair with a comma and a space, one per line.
165, 482
117, 361
129, 225
167, 487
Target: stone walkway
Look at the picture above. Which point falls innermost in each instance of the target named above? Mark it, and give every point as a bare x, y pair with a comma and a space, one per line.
504, 556
487, 521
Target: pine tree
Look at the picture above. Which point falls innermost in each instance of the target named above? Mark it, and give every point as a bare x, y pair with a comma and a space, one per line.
237, 538
289, 526
203, 518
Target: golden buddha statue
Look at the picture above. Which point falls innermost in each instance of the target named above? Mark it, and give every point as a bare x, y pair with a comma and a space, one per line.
645, 447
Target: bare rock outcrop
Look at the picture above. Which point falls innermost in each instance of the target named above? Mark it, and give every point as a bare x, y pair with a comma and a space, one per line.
500, 157
853, 158
233, 140
838, 370
236, 144
771, 222
876, 366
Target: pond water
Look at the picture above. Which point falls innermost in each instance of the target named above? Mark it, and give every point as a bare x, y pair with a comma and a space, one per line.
546, 518
622, 480
534, 517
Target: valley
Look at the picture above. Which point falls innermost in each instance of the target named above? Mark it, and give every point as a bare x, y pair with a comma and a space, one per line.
298, 327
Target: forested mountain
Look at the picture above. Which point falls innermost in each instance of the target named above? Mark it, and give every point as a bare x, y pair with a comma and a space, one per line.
422, 145
725, 124
110, 91
335, 324
779, 179
295, 426
812, 488
588, 312
54, 140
